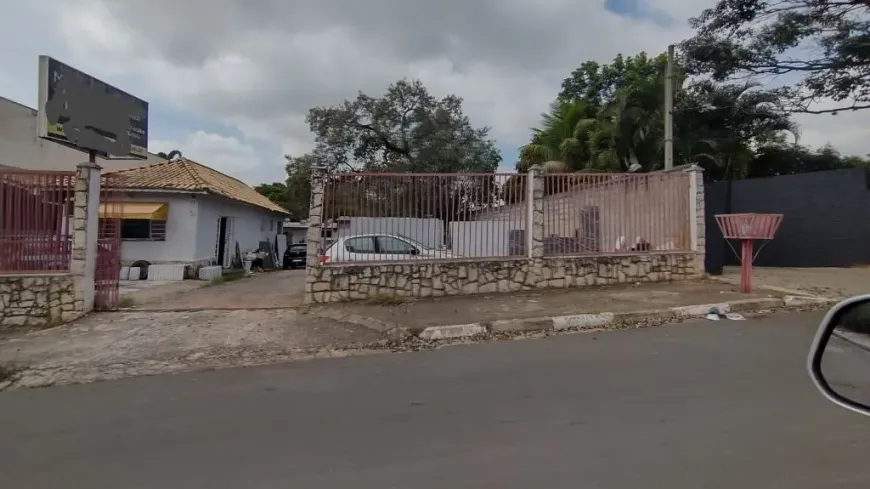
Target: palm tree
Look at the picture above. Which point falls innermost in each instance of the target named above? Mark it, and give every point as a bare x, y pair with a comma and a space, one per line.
561, 138
719, 127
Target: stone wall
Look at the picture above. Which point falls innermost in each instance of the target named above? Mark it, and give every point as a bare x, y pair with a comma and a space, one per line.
334, 283
37, 300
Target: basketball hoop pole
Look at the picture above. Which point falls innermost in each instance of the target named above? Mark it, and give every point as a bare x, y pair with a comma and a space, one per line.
747, 228
746, 266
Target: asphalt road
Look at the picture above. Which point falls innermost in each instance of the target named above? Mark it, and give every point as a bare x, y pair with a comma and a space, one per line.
713, 404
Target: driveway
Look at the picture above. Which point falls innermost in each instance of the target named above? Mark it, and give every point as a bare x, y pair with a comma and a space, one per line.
713, 405
271, 290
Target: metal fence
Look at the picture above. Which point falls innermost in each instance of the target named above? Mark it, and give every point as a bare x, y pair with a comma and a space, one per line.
616, 213
398, 217
35, 220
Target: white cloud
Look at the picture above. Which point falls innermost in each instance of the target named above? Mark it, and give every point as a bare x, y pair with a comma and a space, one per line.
259, 66
225, 154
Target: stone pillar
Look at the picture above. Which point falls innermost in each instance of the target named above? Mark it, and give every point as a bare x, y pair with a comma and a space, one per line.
314, 239
536, 179
83, 264
697, 216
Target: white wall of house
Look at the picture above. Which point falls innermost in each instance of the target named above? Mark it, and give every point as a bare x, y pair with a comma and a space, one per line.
181, 225
20, 147
250, 225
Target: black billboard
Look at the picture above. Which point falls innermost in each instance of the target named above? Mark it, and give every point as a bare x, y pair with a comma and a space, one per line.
82, 111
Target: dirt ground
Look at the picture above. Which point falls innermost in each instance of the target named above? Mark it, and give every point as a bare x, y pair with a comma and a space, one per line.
836, 283
271, 290
540, 303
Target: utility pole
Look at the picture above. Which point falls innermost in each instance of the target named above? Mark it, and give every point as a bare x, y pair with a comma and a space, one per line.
669, 110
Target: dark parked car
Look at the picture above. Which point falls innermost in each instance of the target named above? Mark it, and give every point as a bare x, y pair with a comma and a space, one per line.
294, 256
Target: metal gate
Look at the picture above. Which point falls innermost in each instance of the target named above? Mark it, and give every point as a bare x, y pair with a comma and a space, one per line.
107, 272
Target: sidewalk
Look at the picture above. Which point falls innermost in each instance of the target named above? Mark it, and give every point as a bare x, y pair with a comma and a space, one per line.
560, 309
125, 344
130, 343
835, 283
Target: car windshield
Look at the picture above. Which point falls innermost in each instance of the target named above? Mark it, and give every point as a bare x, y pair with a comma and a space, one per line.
298, 247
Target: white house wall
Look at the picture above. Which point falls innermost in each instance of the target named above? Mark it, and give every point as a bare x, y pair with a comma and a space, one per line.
181, 225
20, 147
250, 225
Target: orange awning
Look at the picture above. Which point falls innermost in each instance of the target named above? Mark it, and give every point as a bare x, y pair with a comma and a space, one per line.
155, 211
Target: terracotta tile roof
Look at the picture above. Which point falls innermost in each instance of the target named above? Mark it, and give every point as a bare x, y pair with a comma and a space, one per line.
185, 174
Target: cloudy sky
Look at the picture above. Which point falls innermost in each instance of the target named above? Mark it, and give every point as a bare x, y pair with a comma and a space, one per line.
230, 81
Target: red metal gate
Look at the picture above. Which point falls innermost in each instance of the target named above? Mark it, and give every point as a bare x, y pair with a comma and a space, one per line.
108, 267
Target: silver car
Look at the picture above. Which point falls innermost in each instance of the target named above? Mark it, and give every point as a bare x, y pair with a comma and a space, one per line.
380, 247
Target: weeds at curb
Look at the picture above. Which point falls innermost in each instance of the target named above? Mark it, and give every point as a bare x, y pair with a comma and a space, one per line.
8, 372
386, 300
229, 277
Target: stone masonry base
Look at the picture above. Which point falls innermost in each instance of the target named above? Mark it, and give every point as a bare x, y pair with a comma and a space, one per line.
335, 283
37, 300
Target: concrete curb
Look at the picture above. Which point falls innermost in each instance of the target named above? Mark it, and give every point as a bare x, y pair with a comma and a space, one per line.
581, 322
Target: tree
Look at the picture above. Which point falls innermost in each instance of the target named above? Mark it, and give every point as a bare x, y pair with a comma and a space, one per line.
825, 42
715, 125
779, 159
720, 126
276, 192
596, 85
298, 184
562, 137
405, 130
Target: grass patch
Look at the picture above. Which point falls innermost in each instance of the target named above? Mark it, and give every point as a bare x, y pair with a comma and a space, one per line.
8, 372
227, 277
126, 302
386, 300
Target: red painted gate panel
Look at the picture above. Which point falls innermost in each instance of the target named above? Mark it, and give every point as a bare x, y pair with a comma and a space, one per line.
108, 267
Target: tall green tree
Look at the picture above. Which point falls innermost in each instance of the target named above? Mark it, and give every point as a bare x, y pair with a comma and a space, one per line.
562, 137
720, 126
595, 84
404, 130
716, 125
826, 43
789, 159
276, 192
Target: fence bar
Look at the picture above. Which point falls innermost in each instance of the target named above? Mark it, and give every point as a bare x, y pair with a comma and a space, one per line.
395, 217
589, 214
35, 216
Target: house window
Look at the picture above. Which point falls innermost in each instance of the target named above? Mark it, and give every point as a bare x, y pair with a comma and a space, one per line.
143, 229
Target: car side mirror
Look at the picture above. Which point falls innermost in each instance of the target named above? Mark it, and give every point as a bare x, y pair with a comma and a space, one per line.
415, 251
839, 360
